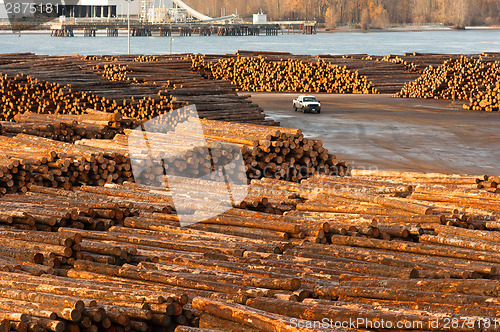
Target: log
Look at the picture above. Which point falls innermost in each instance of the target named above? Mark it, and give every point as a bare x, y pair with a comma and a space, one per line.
244, 315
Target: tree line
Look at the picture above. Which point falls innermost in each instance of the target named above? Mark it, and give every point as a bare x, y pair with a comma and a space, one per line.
374, 13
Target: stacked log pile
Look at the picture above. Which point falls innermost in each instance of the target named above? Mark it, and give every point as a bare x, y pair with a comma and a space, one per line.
28, 160
410, 66
474, 79
266, 140
146, 58
178, 86
389, 205
143, 87
50, 303
137, 88
455, 79
114, 72
69, 128
387, 76
285, 75
99, 58
181, 86
391, 73
267, 151
39, 292
22, 93
491, 184
8, 58
248, 270
427, 296
32, 158
64, 209
247, 255
408, 248
488, 100
423, 60
138, 290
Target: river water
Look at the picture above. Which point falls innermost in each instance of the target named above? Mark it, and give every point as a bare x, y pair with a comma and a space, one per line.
375, 43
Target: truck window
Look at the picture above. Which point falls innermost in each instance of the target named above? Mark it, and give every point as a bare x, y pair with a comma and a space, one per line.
310, 99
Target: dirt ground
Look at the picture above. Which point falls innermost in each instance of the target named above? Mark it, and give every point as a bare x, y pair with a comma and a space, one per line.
377, 131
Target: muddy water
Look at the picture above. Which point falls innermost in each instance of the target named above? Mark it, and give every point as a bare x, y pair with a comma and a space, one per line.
375, 43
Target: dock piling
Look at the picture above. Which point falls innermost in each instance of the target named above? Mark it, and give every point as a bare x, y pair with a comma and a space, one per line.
183, 29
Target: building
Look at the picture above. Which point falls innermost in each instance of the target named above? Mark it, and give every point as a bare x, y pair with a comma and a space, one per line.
80, 8
100, 8
260, 18
145, 10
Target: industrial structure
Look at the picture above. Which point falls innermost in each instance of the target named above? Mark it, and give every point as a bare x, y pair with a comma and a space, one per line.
162, 18
145, 10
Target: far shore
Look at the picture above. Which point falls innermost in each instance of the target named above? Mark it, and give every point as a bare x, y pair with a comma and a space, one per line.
409, 28
5, 30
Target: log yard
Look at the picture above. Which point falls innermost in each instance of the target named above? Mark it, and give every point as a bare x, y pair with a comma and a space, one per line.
90, 240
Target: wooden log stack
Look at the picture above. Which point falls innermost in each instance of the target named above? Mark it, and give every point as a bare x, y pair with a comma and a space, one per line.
114, 72
394, 59
22, 93
490, 184
181, 86
59, 210
155, 84
39, 292
32, 158
285, 75
424, 60
488, 100
248, 270
137, 89
36, 160
81, 253
146, 58
69, 128
49, 303
100, 58
387, 74
468, 78
267, 151
391, 205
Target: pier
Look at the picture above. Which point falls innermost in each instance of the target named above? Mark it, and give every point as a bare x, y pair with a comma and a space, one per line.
90, 28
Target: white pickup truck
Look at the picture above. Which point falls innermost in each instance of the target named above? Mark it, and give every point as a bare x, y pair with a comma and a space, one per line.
307, 104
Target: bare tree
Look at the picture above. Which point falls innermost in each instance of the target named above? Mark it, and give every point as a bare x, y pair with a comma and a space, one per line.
364, 12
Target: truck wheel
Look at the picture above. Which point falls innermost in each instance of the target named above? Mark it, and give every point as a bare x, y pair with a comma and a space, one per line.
304, 110
319, 111
295, 109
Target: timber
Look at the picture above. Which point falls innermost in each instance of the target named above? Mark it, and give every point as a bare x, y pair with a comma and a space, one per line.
86, 246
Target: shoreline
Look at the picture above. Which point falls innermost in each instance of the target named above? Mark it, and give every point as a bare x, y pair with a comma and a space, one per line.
421, 28
409, 28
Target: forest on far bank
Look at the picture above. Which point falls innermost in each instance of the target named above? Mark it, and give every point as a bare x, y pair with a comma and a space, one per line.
365, 13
